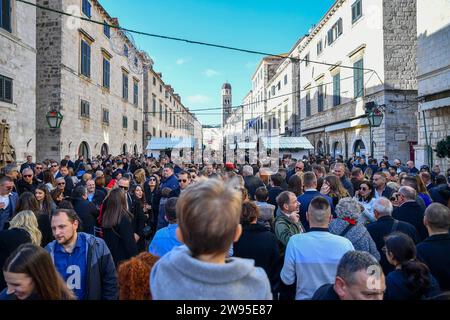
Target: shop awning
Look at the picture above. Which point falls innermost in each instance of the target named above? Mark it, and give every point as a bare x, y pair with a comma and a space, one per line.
246, 145
287, 143
170, 143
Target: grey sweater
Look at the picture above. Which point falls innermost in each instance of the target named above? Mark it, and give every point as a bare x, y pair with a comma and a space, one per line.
179, 276
358, 236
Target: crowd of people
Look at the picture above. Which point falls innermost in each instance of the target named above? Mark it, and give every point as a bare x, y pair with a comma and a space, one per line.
140, 228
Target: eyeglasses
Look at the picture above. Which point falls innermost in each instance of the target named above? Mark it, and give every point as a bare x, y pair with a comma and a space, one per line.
54, 165
363, 189
124, 188
39, 168
152, 179
27, 175
182, 180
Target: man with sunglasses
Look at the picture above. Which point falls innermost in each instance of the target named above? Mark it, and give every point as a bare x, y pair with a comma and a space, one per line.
27, 183
184, 180
39, 172
54, 169
8, 201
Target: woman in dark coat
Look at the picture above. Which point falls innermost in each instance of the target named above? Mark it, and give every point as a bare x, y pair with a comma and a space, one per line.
117, 227
153, 198
411, 279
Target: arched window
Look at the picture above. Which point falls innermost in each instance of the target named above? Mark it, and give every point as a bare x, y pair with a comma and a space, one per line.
359, 149
337, 149
320, 149
83, 150
105, 150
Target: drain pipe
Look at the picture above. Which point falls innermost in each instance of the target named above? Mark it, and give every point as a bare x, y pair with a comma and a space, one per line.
429, 156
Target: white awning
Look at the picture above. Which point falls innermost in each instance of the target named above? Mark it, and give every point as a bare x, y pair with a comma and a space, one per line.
170, 143
440, 103
347, 124
246, 145
287, 143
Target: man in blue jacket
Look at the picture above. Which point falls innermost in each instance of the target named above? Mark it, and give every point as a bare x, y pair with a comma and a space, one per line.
310, 185
84, 261
8, 201
169, 179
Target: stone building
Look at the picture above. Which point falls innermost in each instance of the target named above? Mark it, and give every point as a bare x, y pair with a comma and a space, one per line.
18, 75
165, 116
92, 75
377, 40
433, 59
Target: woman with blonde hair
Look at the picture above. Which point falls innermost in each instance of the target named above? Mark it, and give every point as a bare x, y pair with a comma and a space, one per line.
23, 228
139, 176
422, 191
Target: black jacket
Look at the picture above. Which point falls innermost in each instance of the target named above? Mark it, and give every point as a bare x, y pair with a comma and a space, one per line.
397, 287
23, 186
381, 228
120, 240
138, 222
434, 251
10, 240
257, 243
251, 184
273, 194
413, 213
99, 196
326, 292
437, 194
69, 186
387, 192
88, 213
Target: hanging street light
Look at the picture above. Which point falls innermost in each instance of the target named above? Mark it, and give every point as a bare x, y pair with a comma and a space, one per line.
54, 119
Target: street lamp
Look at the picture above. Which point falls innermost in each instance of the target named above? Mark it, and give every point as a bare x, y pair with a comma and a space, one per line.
54, 119
375, 117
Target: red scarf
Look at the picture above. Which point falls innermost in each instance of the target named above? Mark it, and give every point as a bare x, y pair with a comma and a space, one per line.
350, 221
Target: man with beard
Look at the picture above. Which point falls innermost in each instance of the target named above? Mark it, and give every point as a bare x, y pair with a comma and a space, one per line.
84, 261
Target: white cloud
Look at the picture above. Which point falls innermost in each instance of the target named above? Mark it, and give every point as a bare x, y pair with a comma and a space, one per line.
198, 98
181, 61
211, 73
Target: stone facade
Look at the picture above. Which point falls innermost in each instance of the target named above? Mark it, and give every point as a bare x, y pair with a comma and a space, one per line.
18, 63
433, 59
383, 39
63, 87
165, 116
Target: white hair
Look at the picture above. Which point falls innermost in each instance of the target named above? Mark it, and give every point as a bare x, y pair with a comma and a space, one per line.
247, 170
383, 206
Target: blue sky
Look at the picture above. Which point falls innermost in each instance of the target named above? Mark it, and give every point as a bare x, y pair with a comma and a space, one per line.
197, 72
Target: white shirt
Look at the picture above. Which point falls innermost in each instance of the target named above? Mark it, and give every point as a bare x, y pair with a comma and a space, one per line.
5, 200
313, 258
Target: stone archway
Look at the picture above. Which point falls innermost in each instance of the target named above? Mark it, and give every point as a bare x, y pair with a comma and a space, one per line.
84, 150
359, 148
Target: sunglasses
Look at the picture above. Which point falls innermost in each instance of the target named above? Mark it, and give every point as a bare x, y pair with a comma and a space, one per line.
182, 180
363, 189
28, 175
39, 168
299, 168
54, 165
61, 184
124, 188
